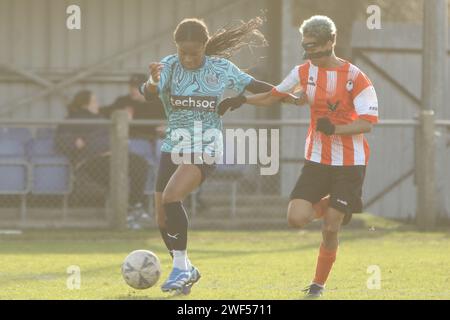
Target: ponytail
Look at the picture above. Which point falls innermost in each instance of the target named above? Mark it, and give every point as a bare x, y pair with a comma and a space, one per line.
226, 41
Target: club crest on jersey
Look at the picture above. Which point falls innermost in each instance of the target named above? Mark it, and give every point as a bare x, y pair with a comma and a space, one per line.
211, 79
349, 85
333, 106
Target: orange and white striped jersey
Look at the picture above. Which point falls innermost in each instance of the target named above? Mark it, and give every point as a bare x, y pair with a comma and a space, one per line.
342, 94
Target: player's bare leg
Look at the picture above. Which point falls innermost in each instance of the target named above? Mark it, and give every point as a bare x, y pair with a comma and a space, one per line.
331, 226
302, 212
332, 222
321, 207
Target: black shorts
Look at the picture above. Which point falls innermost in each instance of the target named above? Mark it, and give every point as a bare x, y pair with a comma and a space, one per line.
342, 183
167, 168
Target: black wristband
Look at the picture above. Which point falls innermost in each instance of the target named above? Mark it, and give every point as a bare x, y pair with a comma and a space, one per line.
242, 99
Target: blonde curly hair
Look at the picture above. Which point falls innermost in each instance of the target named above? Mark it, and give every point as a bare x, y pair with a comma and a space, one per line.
320, 27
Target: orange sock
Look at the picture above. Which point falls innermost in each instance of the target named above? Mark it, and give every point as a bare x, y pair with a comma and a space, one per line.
324, 264
321, 207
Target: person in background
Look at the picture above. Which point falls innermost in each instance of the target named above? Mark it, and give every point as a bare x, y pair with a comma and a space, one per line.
139, 109
88, 149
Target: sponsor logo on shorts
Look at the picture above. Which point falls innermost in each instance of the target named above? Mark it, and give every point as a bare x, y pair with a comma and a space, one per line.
197, 103
345, 203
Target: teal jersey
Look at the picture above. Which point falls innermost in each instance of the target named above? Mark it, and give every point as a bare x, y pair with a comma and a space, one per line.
191, 98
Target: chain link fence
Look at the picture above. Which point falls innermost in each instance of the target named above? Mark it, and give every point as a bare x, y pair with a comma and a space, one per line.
43, 185
48, 178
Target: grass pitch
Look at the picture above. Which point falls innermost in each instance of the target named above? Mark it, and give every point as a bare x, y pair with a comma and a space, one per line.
234, 264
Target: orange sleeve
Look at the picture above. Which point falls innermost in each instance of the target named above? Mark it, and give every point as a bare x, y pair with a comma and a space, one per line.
365, 98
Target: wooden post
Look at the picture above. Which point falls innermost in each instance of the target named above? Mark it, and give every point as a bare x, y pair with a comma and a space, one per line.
426, 174
119, 183
434, 60
434, 87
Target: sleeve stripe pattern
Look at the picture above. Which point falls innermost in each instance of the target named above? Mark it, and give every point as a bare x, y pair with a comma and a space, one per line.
348, 84
290, 83
366, 104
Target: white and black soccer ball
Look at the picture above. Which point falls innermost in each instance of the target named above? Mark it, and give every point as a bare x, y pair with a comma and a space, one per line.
141, 269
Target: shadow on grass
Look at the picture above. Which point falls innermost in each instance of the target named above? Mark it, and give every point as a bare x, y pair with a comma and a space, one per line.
80, 246
109, 242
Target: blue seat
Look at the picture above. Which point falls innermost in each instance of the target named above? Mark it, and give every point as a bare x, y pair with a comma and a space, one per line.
51, 175
13, 167
15, 133
42, 147
51, 172
45, 133
13, 176
12, 148
141, 147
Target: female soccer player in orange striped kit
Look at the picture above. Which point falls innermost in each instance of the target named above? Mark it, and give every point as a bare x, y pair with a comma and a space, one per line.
343, 106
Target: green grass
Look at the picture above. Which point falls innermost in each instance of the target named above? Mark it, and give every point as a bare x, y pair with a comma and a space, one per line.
234, 264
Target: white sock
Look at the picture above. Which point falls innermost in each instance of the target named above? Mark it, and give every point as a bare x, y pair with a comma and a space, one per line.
188, 262
320, 285
180, 259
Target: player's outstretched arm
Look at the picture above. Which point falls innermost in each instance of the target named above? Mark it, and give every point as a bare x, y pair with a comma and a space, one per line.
265, 99
260, 99
261, 94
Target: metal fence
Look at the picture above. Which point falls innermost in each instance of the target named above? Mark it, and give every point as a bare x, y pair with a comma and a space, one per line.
40, 187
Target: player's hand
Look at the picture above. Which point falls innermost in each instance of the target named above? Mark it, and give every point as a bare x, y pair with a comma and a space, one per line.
325, 126
155, 71
301, 99
161, 131
231, 103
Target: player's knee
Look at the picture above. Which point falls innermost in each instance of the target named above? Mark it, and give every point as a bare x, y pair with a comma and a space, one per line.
299, 214
169, 196
330, 229
297, 219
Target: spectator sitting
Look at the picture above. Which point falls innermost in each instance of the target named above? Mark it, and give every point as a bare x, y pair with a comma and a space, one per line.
139, 109
88, 148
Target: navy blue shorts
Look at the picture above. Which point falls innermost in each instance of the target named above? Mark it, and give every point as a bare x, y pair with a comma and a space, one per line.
167, 168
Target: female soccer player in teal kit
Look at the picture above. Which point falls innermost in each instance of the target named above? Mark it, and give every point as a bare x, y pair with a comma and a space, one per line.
191, 84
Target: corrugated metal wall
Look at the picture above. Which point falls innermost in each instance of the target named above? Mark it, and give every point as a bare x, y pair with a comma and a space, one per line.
33, 36
393, 148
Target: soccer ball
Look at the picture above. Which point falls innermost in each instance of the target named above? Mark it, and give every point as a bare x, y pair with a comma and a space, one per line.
141, 269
